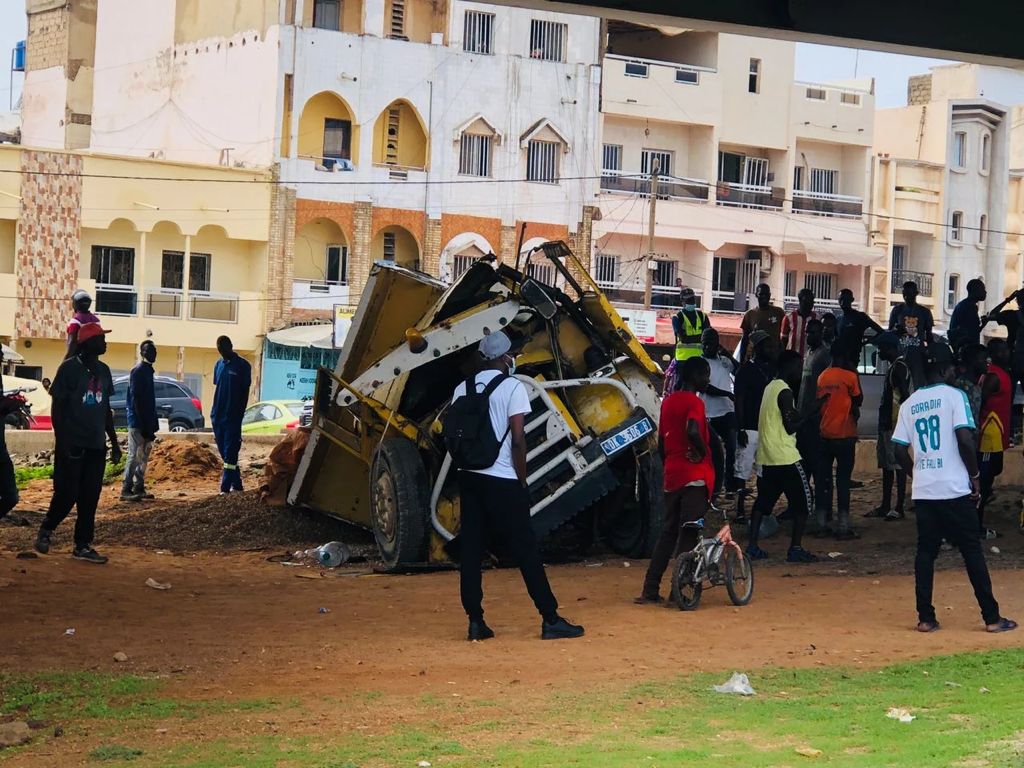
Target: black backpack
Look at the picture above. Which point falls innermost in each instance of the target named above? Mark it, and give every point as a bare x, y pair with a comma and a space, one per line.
467, 430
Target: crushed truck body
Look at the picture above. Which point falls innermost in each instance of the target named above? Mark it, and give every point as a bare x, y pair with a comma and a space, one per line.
375, 457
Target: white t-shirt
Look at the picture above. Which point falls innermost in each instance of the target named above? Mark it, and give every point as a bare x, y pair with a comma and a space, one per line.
721, 377
928, 422
508, 400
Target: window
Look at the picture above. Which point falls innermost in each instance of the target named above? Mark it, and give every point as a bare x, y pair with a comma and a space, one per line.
960, 149
337, 264
389, 246
656, 158
816, 94
327, 14
611, 157
397, 20
789, 283
542, 273
982, 229
798, 177
755, 171
899, 258
547, 40
688, 76
337, 139
849, 98
475, 153
754, 80
952, 292
824, 181
165, 390
606, 268
172, 271
542, 161
113, 266
461, 263
478, 33
986, 152
956, 229
665, 274
636, 69
822, 283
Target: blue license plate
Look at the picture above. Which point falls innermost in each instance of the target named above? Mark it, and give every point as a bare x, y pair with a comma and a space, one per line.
627, 436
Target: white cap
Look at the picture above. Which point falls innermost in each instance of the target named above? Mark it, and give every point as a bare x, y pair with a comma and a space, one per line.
494, 345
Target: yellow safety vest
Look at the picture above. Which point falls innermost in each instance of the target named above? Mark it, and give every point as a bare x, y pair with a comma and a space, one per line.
686, 350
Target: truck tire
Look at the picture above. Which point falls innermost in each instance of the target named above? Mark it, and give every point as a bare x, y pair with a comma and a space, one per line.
631, 526
399, 502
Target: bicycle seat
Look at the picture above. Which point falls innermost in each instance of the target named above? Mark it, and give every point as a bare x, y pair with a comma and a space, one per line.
695, 524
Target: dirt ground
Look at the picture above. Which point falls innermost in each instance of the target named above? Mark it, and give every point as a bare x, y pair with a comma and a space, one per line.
236, 624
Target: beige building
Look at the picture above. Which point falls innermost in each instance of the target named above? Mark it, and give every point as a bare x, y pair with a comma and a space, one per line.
763, 179
949, 187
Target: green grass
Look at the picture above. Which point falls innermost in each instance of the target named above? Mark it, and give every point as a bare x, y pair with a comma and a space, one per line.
115, 752
679, 722
25, 475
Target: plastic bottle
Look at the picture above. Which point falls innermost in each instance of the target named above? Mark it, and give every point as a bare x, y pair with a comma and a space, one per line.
332, 554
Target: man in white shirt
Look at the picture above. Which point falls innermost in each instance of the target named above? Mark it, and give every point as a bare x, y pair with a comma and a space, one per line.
936, 424
720, 408
495, 502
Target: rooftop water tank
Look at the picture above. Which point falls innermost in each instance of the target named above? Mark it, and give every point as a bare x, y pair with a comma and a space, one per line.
19, 57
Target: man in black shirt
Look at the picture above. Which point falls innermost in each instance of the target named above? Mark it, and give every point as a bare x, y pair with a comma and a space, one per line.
913, 324
965, 325
852, 325
81, 417
8, 484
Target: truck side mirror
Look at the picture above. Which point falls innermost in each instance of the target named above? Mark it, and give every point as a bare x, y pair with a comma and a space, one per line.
537, 297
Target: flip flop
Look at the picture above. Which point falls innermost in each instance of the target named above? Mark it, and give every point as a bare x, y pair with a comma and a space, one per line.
928, 626
1003, 625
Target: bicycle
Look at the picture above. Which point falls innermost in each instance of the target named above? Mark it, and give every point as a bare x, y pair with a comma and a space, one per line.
715, 561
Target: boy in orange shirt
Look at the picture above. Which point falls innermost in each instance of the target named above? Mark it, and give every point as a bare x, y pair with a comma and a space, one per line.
839, 415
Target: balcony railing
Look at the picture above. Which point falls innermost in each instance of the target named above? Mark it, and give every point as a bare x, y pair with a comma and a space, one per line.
632, 295
669, 187
729, 302
820, 305
164, 302
749, 195
116, 299
215, 307
824, 204
901, 276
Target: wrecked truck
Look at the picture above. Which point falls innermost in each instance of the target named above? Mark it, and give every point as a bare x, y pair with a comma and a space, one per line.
375, 456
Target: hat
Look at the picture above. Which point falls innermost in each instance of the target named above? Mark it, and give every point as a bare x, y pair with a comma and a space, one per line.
88, 331
494, 345
758, 336
686, 294
80, 294
886, 339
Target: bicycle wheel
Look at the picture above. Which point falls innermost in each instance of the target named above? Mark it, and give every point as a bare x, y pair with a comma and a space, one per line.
739, 577
686, 587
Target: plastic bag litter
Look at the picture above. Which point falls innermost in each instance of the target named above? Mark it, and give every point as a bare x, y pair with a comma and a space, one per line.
154, 584
738, 683
900, 713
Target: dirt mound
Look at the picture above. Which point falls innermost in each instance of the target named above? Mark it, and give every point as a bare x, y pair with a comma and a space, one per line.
236, 521
182, 461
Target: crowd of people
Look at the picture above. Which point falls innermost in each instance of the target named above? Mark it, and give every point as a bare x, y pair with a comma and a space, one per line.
785, 410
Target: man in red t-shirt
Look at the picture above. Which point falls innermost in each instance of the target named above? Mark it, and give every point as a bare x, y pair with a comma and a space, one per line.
689, 473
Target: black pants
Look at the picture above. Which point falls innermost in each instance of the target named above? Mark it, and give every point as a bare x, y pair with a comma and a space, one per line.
841, 454
990, 466
77, 480
681, 506
774, 481
808, 441
725, 427
955, 521
496, 508
8, 485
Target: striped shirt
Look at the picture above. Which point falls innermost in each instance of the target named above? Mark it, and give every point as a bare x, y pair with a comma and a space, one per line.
794, 325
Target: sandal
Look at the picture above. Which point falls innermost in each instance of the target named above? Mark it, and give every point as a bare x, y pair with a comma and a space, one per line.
800, 555
878, 511
894, 515
928, 626
756, 553
1003, 625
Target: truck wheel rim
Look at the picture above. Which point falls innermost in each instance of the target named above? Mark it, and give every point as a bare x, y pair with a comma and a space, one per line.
385, 509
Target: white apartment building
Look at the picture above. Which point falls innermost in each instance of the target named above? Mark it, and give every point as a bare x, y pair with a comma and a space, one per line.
763, 179
949, 195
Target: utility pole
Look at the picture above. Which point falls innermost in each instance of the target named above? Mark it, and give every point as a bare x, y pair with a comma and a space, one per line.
648, 276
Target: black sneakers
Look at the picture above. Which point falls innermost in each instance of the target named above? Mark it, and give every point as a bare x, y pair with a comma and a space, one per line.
559, 629
43, 541
478, 630
89, 555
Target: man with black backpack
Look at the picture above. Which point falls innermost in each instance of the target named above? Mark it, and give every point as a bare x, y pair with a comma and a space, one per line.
486, 437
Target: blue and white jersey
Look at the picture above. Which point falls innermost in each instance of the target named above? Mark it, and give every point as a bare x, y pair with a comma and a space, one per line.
927, 423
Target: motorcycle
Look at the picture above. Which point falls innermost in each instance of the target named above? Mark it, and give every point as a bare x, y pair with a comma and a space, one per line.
17, 409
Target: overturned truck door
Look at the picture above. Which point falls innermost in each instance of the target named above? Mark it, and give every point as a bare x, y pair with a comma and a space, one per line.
376, 458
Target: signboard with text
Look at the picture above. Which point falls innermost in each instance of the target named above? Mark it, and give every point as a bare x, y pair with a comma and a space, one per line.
642, 322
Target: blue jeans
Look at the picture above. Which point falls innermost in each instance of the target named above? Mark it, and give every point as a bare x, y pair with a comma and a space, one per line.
229, 442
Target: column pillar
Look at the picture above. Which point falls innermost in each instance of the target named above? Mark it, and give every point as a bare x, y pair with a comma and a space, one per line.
185, 270
140, 277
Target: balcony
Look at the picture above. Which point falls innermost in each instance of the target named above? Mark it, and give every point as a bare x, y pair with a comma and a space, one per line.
901, 276
213, 307
823, 204
728, 302
116, 299
749, 195
632, 295
164, 302
668, 187
820, 305
312, 294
